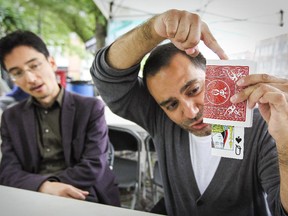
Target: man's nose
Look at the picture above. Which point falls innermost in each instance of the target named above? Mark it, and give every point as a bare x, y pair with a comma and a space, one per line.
30, 76
190, 109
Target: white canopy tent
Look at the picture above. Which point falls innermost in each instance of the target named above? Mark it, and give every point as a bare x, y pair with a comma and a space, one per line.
237, 24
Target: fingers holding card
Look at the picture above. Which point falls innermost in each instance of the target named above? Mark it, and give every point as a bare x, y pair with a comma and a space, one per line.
220, 85
228, 120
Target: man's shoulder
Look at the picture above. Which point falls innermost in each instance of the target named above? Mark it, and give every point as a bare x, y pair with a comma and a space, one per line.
15, 111
83, 100
17, 106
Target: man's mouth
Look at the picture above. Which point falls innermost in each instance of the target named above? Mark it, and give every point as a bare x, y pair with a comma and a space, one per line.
198, 125
36, 88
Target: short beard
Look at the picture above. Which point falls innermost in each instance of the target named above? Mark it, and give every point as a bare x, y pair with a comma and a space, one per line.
203, 132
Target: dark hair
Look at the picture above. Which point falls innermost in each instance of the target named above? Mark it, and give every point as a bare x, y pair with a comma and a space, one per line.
161, 56
21, 38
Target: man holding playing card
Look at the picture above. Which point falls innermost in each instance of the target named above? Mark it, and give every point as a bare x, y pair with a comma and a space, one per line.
168, 103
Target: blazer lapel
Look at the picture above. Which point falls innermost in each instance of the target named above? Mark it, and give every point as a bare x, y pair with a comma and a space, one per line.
67, 119
29, 120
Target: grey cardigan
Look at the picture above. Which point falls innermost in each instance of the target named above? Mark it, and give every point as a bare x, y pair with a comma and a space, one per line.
238, 185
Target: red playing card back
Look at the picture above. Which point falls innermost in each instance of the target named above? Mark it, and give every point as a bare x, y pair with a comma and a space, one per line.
220, 85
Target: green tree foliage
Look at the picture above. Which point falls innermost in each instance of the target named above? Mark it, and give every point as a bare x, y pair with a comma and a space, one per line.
9, 20
54, 20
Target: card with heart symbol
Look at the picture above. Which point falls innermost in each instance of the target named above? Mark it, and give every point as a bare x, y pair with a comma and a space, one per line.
227, 141
220, 85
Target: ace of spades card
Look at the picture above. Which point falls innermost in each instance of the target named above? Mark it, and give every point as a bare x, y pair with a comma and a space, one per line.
220, 85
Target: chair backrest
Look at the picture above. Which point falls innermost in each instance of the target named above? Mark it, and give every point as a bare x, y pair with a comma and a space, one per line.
153, 168
111, 154
127, 166
153, 164
150, 148
149, 144
124, 139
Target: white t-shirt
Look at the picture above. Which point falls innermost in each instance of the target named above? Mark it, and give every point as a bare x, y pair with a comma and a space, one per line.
204, 164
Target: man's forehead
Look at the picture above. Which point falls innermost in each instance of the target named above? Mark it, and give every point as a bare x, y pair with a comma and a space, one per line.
166, 78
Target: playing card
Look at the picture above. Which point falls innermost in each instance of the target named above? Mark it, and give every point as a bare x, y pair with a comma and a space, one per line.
227, 141
220, 85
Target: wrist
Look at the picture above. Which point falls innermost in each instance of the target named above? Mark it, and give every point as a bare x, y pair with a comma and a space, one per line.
43, 186
283, 159
282, 152
149, 33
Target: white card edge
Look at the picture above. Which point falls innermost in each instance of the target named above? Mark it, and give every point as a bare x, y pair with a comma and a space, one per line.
220, 153
233, 62
247, 123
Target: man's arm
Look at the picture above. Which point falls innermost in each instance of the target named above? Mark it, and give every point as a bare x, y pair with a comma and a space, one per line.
271, 95
184, 29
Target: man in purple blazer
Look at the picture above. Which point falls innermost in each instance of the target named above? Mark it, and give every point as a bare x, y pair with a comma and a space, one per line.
54, 142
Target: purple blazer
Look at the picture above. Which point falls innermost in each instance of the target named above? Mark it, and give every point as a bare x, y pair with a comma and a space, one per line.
85, 143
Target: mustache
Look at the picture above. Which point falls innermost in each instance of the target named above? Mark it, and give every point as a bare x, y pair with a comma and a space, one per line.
191, 121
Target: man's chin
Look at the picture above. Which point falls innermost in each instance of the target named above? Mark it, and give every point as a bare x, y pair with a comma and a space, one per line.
200, 132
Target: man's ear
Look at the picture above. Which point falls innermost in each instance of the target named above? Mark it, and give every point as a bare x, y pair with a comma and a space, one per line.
52, 62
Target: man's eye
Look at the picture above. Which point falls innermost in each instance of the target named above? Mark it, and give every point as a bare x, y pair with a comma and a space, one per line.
172, 106
18, 73
193, 91
34, 66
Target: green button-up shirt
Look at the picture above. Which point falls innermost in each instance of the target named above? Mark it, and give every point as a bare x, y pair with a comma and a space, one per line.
49, 135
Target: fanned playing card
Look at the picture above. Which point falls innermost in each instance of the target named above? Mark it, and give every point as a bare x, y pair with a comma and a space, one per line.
220, 85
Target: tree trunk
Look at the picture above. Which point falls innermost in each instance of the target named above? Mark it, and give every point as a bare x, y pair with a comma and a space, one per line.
100, 33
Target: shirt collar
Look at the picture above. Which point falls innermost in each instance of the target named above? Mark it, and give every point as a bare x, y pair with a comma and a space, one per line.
59, 99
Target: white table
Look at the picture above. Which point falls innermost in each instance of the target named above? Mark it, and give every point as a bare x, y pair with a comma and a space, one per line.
18, 202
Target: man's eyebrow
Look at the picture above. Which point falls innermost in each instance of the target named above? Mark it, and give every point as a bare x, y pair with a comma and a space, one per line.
15, 68
164, 103
189, 83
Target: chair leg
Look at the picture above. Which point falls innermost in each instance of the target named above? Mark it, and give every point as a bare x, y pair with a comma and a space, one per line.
133, 202
135, 197
157, 193
144, 189
154, 193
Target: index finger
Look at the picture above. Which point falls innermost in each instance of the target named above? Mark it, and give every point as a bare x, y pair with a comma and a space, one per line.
211, 42
260, 78
77, 193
